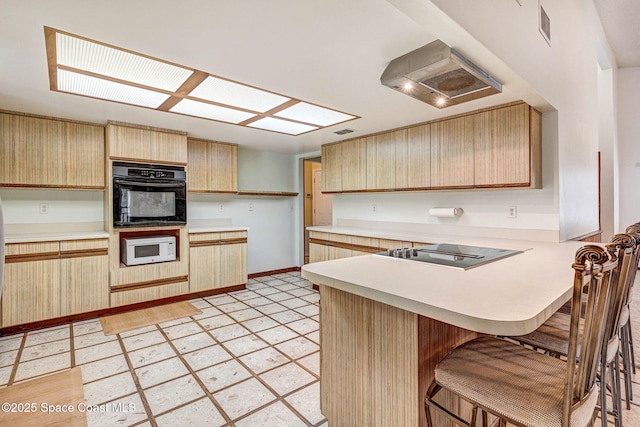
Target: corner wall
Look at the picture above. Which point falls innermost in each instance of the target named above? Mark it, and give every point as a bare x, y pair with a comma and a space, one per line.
629, 145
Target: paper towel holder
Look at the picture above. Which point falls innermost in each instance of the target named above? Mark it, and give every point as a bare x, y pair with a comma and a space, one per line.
446, 212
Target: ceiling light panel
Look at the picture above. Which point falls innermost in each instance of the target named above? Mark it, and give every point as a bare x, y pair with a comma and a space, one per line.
82, 84
209, 111
282, 126
309, 113
100, 59
226, 92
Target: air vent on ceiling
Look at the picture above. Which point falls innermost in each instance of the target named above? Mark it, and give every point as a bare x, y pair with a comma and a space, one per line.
344, 131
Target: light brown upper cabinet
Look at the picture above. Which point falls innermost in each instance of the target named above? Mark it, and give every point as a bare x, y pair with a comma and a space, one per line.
507, 147
50, 153
131, 142
354, 164
452, 153
213, 166
332, 168
498, 147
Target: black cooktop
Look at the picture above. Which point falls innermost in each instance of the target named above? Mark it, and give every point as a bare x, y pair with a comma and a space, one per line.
451, 255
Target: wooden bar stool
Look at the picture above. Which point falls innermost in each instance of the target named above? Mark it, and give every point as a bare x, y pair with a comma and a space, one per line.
525, 387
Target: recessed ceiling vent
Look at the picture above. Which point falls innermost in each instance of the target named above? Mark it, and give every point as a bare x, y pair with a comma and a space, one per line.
438, 75
344, 131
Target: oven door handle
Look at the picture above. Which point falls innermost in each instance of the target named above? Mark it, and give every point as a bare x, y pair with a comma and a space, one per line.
180, 184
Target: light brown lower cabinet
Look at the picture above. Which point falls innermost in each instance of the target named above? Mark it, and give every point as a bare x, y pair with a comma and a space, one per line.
217, 260
47, 280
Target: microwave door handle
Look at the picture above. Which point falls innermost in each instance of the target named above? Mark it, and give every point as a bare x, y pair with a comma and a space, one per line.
149, 184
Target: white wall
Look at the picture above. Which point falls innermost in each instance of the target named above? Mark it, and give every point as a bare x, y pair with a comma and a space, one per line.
266, 171
65, 206
629, 145
608, 146
560, 77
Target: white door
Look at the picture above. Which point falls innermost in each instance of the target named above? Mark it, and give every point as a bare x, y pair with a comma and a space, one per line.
322, 203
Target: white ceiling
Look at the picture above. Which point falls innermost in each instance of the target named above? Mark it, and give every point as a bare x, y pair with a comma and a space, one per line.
329, 52
621, 23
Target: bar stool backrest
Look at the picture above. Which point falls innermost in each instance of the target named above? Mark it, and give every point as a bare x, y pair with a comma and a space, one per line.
594, 267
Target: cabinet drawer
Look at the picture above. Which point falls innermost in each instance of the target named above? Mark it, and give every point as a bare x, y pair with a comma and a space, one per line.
150, 293
35, 248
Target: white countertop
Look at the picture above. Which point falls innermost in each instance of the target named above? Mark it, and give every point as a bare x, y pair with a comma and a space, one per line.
511, 296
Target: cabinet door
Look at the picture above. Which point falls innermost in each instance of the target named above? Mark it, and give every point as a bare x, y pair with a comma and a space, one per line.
198, 163
354, 165
132, 142
332, 168
418, 162
501, 145
385, 161
452, 164
202, 268
232, 265
223, 160
84, 276
32, 283
40, 152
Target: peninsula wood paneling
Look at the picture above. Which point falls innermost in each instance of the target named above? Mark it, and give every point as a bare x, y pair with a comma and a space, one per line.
354, 165
146, 144
49, 153
452, 164
502, 147
377, 361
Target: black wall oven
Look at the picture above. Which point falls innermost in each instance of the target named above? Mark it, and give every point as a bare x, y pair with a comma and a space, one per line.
146, 195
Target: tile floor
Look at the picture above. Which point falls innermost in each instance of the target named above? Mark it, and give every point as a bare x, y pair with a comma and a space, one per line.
250, 359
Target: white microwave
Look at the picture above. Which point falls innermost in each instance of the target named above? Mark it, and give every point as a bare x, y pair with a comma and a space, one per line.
147, 250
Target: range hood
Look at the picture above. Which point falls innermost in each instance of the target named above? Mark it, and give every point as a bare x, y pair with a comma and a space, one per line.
438, 75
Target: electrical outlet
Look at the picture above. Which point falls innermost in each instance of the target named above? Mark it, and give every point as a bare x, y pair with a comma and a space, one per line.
250, 207
374, 208
221, 207
44, 208
513, 212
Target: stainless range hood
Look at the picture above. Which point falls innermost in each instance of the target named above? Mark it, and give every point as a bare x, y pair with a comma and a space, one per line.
438, 75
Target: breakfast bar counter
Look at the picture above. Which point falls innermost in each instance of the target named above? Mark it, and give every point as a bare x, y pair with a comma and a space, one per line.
386, 322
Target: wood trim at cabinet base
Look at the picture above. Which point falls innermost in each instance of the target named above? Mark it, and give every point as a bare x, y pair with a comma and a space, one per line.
149, 284
272, 272
28, 327
54, 187
81, 253
199, 243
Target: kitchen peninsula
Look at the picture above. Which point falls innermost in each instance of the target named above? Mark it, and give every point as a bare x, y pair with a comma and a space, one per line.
386, 322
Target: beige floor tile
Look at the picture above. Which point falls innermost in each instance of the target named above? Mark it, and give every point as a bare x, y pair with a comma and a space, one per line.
265, 290
120, 412
273, 282
97, 352
43, 350
86, 327
221, 299
216, 321
287, 316
143, 340
193, 342
298, 347
277, 334
271, 308
243, 398
311, 362
307, 403
44, 365
103, 368
207, 312
108, 389
273, 415
5, 373
92, 339
160, 372
286, 286
182, 330
138, 331
280, 296
246, 344
244, 295
166, 396
11, 342
304, 326
259, 323
301, 292
47, 335
287, 378
174, 322
314, 336
309, 310
229, 332
222, 375
199, 413
257, 302
313, 298
206, 357
244, 315
152, 354
233, 306
8, 358
200, 303
263, 360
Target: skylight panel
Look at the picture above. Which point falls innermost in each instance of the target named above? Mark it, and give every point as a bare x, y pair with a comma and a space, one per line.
208, 111
226, 92
309, 113
81, 84
100, 59
282, 126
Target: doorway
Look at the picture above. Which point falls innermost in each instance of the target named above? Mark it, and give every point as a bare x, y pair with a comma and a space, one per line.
317, 205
